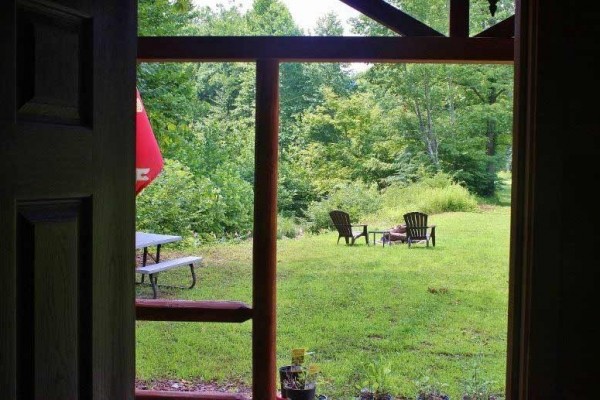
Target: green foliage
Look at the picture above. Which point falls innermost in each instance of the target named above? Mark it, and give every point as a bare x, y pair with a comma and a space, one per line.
296, 188
165, 17
174, 203
427, 389
458, 117
271, 18
357, 199
287, 227
476, 389
302, 374
347, 139
177, 202
475, 386
234, 203
431, 195
376, 379
451, 198
435, 13
386, 127
480, 17
470, 168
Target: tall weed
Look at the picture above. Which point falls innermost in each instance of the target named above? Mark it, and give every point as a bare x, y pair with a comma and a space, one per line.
432, 195
287, 227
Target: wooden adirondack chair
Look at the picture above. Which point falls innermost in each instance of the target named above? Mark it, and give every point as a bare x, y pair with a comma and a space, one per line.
342, 223
417, 229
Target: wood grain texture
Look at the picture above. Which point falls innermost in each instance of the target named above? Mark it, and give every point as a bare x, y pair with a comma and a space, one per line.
115, 30
554, 260
503, 29
392, 18
192, 311
52, 288
264, 249
327, 49
459, 18
67, 199
8, 285
157, 395
48, 90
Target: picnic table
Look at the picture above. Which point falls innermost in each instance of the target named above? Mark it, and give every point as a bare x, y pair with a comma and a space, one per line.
144, 240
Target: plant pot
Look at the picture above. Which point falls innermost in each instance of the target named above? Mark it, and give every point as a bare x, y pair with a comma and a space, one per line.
368, 395
429, 396
301, 394
285, 371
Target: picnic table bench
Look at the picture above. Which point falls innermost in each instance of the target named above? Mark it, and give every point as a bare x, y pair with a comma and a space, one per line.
144, 240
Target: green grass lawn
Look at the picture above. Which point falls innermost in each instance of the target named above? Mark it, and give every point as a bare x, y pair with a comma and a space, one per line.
432, 312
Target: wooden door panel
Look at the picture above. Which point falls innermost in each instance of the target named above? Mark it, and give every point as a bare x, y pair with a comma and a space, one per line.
67, 178
48, 166
48, 90
54, 296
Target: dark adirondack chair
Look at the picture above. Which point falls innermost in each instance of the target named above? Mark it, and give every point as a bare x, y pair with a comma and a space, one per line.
417, 229
342, 223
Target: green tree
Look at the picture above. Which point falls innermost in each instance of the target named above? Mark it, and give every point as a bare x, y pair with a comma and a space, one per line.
166, 17
458, 116
168, 89
347, 139
487, 111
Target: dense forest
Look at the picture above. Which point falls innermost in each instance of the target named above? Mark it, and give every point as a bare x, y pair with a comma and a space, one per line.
346, 135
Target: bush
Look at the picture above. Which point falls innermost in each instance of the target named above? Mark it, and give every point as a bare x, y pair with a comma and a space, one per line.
181, 204
471, 169
172, 203
431, 195
287, 227
356, 198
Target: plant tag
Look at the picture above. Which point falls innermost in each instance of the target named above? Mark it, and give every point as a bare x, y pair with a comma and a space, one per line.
298, 356
313, 369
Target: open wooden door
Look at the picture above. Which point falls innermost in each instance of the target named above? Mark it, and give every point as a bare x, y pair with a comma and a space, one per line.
67, 112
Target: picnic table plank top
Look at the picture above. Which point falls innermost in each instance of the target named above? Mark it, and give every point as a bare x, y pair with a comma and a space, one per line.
145, 239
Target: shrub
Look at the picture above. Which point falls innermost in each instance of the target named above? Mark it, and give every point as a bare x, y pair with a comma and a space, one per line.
471, 168
172, 203
195, 207
287, 227
233, 205
355, 198
431, 195
448, 199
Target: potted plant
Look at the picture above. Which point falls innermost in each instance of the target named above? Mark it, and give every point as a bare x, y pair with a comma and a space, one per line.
430, 391
299, 380
480, 395
476, 389
375, 385
300, 383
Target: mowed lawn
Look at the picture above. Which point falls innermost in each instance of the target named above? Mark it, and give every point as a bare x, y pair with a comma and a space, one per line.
439, 313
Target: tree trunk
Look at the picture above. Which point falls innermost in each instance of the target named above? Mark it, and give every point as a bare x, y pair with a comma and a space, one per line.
492, 139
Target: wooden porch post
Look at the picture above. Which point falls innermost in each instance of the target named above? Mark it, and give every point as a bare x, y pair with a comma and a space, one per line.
459, 18
265, 230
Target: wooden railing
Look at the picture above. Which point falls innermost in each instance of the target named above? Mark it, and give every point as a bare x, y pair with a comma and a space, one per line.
192, 311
